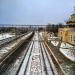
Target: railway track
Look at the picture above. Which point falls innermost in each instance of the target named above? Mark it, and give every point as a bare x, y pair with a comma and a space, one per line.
37, 60
5, 62
11, 39
47, 62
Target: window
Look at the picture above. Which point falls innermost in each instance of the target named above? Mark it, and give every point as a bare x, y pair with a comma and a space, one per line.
71, 37
74, 38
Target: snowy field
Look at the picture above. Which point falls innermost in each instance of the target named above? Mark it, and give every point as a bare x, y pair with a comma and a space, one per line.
6, 35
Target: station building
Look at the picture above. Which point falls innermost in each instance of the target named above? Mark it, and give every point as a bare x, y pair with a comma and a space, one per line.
63, 34
67, 34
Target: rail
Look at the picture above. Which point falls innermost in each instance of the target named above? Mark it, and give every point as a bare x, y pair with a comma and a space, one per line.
14, 49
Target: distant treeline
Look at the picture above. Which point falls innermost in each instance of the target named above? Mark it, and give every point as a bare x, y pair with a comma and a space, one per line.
18, 30
54, 27
13, 30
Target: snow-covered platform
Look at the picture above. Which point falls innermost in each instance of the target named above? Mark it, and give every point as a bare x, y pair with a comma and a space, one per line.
68, 51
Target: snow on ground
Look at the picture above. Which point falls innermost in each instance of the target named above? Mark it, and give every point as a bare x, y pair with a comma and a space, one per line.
68, 50
66, 45
54, 37
5, 35
7, 48
34, 64
40, 33
53, 40
55, 43
36, 61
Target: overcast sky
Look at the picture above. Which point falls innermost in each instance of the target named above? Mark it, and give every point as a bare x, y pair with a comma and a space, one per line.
35, 11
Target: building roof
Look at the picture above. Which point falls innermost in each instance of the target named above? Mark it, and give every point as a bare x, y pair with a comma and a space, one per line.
72, 18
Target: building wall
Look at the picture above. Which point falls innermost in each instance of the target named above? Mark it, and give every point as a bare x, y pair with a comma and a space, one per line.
71, 37
66, 35
63, 34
